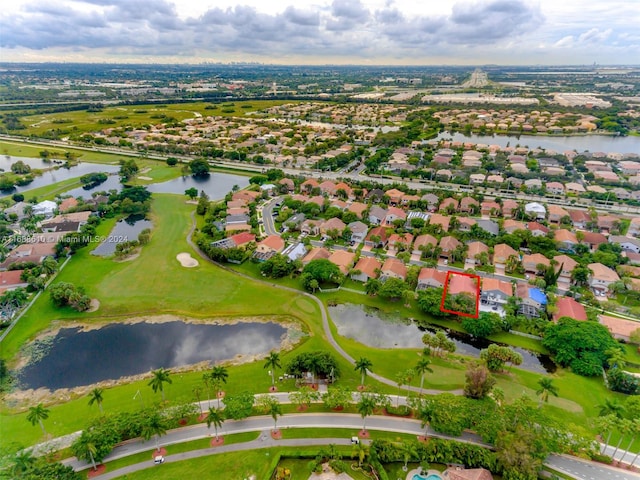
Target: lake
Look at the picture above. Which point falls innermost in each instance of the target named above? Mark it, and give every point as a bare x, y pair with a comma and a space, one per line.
580, 143
374, 328
216, 185
125, 230
74, 357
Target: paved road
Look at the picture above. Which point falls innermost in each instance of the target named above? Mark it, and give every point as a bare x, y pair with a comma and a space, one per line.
267, 217
574, 467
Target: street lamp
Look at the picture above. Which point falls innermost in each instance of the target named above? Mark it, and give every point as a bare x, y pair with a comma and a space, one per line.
138, 394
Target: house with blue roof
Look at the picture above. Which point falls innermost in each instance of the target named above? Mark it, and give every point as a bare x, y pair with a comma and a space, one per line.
532, 301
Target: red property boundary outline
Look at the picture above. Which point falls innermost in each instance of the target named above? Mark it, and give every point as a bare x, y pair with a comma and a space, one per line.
446, 287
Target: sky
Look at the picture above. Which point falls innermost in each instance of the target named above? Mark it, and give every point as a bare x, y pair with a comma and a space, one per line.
367, 32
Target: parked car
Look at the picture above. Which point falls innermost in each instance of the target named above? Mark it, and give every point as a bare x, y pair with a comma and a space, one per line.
158, 460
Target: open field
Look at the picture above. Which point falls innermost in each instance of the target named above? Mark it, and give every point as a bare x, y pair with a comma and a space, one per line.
137, 116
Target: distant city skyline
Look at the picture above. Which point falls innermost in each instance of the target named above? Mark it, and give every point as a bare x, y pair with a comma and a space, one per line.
366, 32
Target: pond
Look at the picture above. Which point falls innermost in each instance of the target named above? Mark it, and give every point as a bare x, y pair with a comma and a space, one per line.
125, 230
74, 357
57, 175
374, 328
580, 143
216, 185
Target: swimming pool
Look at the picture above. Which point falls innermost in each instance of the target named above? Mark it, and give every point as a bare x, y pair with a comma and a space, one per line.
432, 476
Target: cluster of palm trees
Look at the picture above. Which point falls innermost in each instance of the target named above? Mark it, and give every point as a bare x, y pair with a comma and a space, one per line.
612, 418
364, 366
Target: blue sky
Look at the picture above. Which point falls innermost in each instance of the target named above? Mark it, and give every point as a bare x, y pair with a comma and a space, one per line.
427, 32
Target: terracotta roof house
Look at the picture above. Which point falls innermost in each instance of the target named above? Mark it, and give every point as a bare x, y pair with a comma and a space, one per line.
567, 264
495, 292
473, 249
465, 224
536, 229
618, 327
288, 182
358, 208
606, 222
555, 188
532, 300
422, 241
566, 239
462, 284
377, 215
431, 200
593, 239
310, 227
447, 246
337, 203
368, 268
574, 188
268, 247
442, 220
508, 207
343, 259
408, 199
468, 205
490, 209
579, 218
393, 268
316, 254
393, 214
511, 226
248, 196
10, 280
395, 196
67, 204
343, 186
531, 262
332, 224
381, 233
448, 204
318, 200
309, 185
455, 473
327, 187
568, 307
556, 213
601, 278
502, 252
400, 241
634, 227
431, 277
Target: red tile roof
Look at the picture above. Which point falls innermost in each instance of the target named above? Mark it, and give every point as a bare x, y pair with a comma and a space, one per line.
568, 307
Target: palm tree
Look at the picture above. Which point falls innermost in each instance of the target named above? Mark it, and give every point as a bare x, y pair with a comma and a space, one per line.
634, 430
37, 414
160, 377
96, 397
624, 427
611, 407
272, 362
365, 407
86, 447
360, 450
215, 417
362, 365
218, 376
22, 462
421, 368
546, 387
154, 426
606, 424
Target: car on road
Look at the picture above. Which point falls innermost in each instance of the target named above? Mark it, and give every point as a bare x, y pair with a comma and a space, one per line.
158, 460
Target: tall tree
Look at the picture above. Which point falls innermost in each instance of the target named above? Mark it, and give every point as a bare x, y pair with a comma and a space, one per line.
219, 376
160, 377
546, 388
363, 365
421, 368
215, 417
634, 431
272, 362
37, 414
96, 397
154, 425
365, 406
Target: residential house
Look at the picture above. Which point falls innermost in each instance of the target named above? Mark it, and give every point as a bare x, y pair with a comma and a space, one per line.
308, 185
495, 292
511, 226
422, 241
457, 473
565, 265
566, 239
431, 278
535, 210
239, 240
395, 196
415, 214
316, 253
606, 223
462, 284
474, 249
343, 187
619, 328
295, 251
531, 262
45, 208
393, 268
332, 224
268, 247
601, 278
393, 214
465, 224
431, 201
634, 227
536, 229
532, 301
377, 215
574, 188
556, 214
327, 187
358, 208
376, 238
366, 269
490, 209
508, 208
488, 226
448, 205
288, 183
358, 231
477, 178
621, 193
10, 280
501, 254
447, 246
310, 227
579, 218
442, 220
67, 204
399, 242
343, 259
628, 244
568, 307
375, 195
593, 240
469, 205
555, 188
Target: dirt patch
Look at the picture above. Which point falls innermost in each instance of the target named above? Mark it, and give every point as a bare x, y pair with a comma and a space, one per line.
94, 305
128, 258
144, 178
186, 260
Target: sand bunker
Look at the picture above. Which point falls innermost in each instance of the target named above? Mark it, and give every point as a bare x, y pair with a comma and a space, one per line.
186, 260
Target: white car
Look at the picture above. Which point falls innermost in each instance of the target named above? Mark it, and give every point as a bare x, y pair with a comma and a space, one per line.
158, 460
